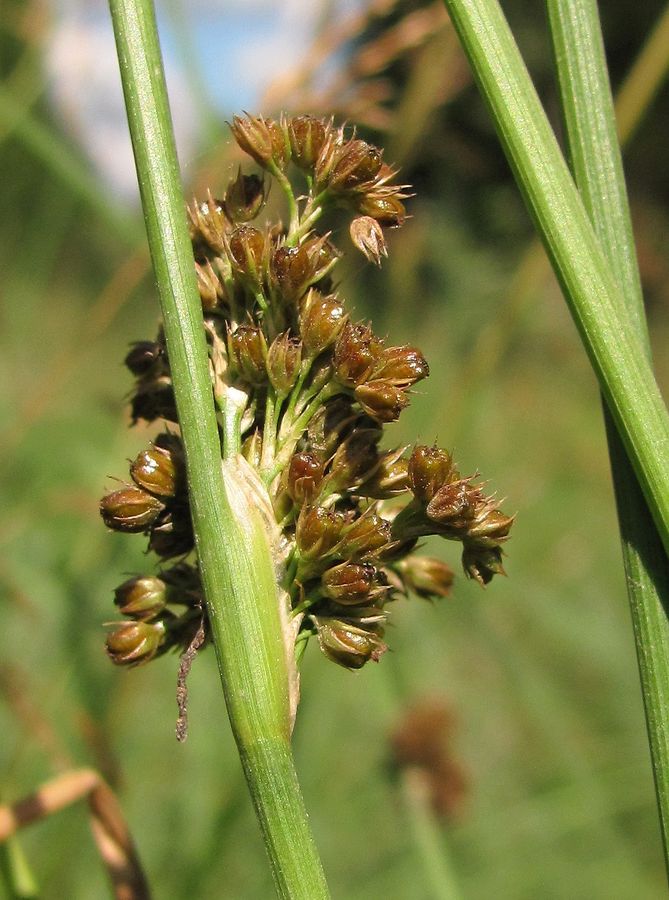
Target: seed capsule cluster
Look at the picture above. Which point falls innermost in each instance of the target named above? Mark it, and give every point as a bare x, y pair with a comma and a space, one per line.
310, 391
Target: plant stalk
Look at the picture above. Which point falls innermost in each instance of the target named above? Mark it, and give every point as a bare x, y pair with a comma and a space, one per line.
590, 127
233, 544
615, 351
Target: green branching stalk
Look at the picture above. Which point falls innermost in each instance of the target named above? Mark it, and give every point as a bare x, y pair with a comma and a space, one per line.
615, 350
233, 547
595, 160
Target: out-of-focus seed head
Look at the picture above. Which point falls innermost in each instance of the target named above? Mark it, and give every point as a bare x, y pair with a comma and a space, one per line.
248, 353
130, 509
482, 563
381, 400
367, 237
426, 576
351, 584
364, 537
154, 399
388, 211
159, 470
305, 476
317, 531
307, 136
321, 321
429, 469
356, 165
246, 250
134, 643
142, 597
144, 357
244, 197
172, 534
209, 286
402, 366
348, 645
283, 362
356, 355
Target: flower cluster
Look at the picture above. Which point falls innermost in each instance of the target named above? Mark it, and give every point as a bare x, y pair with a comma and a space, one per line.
303, 393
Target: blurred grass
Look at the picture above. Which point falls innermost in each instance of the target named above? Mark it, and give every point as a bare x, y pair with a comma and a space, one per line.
539, 669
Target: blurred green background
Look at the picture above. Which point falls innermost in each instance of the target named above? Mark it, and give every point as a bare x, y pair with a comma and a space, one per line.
529, 689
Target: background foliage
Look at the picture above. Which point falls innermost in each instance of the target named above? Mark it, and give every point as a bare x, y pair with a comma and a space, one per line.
550, 791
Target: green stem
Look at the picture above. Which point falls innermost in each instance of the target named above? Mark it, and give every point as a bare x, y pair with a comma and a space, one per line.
615, 351
590, 127
233, 545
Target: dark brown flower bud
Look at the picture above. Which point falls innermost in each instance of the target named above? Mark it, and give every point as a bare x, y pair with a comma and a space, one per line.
321, 321
317, 531
296, 268
351, 584
263, 139
154, 399
388, 211
160, 470
246, 249
425, 576
348, 645
209, 285
143, 597
402, 366
429, 469
130, 509
365, 537
381, 400
172, 534
390, 477
482, 563
134, 643
307, 136
244, 197
454, 504
368, 238
208, 225
248, 353
144, 357
356, 355
305, 475
283, 363
356, 164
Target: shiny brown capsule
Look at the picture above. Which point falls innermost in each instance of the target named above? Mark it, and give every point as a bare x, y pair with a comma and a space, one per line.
130, 509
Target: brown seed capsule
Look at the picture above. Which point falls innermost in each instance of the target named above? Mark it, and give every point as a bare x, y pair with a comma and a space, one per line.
426, 576
402, 366
254, 135
142, 597
144, 357
159, 470
172, 534
356, 355
482, 563
154, 399
208, 225
134, 643
364, 537
490, 527
130, 509
305, 475
209, 286
429, 469
321, 321
368, 238
246, 250
454, 504
283, 362
354, 459
388, 211
244, 197
296, 268
351, 584
317, 531
356, 164
381, 400
347, 644
248, 353
390, 477
307, 136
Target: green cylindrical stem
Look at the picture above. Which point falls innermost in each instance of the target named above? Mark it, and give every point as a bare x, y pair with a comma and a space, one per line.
615, 350
232, 542
590, 127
